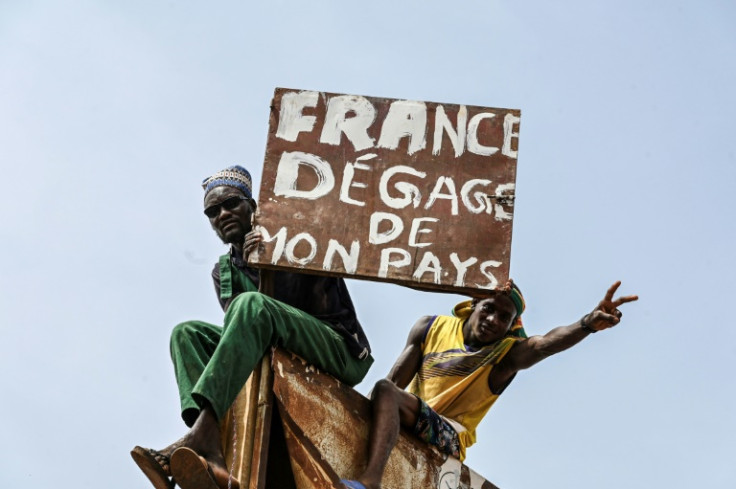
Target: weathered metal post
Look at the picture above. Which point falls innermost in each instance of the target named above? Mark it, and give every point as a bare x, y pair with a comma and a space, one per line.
247, 426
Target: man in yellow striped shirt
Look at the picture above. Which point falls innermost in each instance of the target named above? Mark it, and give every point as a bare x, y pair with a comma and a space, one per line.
458, 366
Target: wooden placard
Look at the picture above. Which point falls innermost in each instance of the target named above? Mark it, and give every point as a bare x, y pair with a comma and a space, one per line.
415, 193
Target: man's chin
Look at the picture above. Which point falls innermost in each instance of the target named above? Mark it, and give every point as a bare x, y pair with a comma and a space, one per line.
231, 238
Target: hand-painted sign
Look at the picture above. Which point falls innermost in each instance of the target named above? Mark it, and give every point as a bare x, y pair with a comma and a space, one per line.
415, 193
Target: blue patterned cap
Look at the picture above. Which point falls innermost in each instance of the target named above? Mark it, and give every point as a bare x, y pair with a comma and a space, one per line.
232, 176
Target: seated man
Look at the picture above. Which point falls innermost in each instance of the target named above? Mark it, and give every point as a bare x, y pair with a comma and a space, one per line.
458, 366
312, 316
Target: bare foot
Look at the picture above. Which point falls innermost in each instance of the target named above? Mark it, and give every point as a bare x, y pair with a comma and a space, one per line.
168, 450
203, 438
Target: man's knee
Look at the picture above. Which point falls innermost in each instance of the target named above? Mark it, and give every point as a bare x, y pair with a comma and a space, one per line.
182, 331
388, 395
191, 332
384, 388
247, 303
250, 311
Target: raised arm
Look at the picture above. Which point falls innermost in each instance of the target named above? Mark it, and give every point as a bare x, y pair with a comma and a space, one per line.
536, 348
410, 359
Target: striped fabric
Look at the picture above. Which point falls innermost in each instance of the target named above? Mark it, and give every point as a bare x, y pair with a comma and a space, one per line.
453, 378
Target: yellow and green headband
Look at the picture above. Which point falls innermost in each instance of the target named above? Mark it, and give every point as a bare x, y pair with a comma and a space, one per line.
465, 308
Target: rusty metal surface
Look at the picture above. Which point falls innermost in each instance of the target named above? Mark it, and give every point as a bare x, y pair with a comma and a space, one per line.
262, 430
452, 232
245, 428
309, 468
327, 434
237, 429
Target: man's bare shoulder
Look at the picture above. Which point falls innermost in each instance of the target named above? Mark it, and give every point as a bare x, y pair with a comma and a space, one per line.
419, 330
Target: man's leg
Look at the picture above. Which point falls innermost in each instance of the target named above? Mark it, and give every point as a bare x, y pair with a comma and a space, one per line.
255, 322
392, 408
192, 346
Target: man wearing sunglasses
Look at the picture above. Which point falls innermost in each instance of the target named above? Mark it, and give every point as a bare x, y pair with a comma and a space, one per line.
312, 316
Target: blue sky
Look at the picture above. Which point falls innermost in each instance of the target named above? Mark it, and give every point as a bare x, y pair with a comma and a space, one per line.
111, 113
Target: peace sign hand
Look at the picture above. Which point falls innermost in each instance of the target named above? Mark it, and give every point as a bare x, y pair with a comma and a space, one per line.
606, 314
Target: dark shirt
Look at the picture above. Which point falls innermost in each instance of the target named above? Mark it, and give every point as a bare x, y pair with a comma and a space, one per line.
325, 298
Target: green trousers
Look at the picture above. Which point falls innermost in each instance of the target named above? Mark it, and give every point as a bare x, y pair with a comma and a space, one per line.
212, 363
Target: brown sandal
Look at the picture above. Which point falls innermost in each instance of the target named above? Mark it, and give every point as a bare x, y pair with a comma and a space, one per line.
193, 472
155, 465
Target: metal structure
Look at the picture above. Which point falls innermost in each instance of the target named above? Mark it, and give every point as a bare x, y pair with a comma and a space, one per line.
318, 434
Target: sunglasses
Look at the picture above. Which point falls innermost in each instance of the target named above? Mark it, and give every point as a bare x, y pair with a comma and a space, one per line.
227, 204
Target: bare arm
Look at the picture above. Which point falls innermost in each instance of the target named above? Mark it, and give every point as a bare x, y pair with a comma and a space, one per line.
536, 348
410, 359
